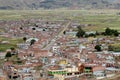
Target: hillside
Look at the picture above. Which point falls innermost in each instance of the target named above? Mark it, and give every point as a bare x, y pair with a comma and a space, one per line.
53, 4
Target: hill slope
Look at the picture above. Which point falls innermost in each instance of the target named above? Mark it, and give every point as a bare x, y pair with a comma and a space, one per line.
53, 4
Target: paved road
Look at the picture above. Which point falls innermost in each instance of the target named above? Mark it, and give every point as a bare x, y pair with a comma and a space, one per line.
55, 38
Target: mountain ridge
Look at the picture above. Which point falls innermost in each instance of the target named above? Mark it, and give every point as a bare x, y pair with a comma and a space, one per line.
54, 4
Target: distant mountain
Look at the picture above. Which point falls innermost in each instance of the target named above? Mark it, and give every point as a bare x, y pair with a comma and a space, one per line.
54, 4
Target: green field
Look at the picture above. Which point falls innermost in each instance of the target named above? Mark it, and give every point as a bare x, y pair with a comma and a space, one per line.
99, 18
12, 43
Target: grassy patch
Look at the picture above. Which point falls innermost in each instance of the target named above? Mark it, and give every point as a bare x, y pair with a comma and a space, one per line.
115, 47
12, 43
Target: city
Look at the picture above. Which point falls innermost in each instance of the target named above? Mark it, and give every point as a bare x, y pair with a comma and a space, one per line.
60, 44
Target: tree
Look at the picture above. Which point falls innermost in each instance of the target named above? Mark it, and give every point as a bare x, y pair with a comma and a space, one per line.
80, 32
21, 28
86, 35
32, 42
116, 33
44, 30
92, 35
13, 51
35, 25
118, 13
24, 39
108, 31
8, 54
12, 48
64, 32
33, 28
98, 47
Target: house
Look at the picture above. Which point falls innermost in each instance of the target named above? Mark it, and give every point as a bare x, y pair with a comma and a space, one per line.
99, 72
72, 70
2, 75
6, 65
2, 55
13, 74
23, 45
72, 33
55, 48
62, 62
88, 69
116, 53
44, 60
63, 73
27, 77
90, 32
41, 53
28, 40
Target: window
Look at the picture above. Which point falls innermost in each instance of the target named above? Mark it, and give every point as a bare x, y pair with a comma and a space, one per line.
76, 73
69, 73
